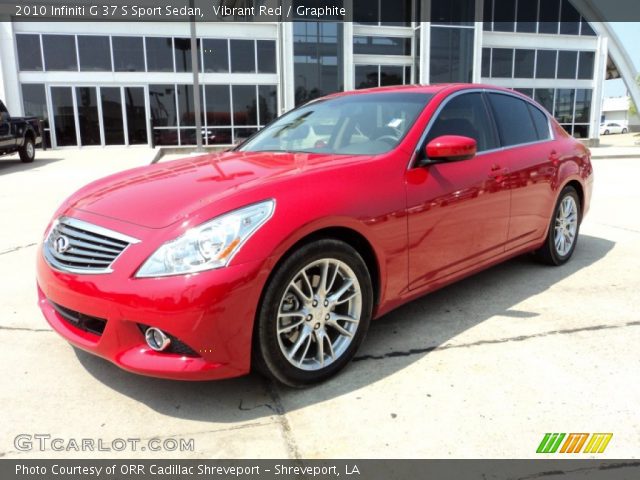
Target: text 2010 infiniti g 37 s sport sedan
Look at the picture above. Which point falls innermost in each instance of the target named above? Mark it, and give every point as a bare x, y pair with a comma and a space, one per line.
278, 253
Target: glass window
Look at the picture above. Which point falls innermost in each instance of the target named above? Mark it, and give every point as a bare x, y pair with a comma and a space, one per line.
567, 64
60, 52
128, 54
268, 100
487, 16
544, 96
34, 101
318, 59
382, 45
459, 12
524, 63
540, 121
366, 11
63, 116
504, 16
216, 55
465, 115
266, 50
564, 105
162, 101
583, 106
366, 124
397, 13
546, 64
586, 29
513, 119
585, 68
136, 115
391, 75
95, 53
186, 107
159, 54
486, 62
581, 131
502, 63
219, 136
451, 55
366, 76
112, 115
527, 14
245, 110
182, 51
218, 106
549, 16
243, 56
29, 54
569, 19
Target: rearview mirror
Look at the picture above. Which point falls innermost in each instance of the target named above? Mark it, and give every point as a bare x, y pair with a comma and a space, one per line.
451, 148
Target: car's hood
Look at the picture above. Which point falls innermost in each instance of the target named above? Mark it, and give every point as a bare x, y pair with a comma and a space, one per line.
159, 195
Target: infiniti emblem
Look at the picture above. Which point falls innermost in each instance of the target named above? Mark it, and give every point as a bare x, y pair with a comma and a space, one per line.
61, 244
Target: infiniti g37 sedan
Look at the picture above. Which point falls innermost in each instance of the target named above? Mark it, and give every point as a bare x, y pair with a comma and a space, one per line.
278, 253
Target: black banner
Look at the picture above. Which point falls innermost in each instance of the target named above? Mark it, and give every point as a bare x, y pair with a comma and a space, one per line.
318, 469
391, 12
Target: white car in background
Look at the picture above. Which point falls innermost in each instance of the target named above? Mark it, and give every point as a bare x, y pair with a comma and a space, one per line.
612, 127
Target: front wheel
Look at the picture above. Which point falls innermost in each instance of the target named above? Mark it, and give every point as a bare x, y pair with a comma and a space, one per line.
314, 314
563, 229
28, 151
624, 130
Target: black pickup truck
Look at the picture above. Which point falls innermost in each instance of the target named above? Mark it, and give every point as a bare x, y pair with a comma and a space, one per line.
19, 134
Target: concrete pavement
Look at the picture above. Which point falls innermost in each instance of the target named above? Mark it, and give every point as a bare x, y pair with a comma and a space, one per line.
482, 368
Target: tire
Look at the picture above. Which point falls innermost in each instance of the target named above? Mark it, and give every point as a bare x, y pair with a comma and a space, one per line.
564, 225
606, 132
624, 130
302, 322
28, 151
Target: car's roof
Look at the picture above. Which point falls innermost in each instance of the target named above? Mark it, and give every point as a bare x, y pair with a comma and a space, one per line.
430, 89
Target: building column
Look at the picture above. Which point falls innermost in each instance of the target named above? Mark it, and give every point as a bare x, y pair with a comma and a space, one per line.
9, 84
597, 96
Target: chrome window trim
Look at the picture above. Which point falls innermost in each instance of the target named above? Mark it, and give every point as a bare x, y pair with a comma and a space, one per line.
444, 103
89, 227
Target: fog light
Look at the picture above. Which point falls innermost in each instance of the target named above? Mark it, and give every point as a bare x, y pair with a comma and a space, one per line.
156, 339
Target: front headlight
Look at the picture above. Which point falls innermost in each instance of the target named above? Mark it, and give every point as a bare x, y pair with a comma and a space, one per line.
210, 245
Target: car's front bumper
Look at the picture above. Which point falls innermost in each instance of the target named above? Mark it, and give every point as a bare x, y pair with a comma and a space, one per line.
210, 312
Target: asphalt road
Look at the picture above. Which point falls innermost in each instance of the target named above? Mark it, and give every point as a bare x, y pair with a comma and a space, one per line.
483, 368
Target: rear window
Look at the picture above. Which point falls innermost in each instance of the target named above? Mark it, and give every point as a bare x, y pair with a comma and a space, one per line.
541, 122
515, 125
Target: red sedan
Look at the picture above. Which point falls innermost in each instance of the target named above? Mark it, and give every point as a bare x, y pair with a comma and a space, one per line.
278, 254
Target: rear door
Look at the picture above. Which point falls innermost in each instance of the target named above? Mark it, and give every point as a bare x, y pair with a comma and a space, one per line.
6, 137
529, 154
458, 211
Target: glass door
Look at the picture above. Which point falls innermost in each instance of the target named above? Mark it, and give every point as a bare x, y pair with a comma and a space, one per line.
88, 117
64, 118
134, 98
112, 119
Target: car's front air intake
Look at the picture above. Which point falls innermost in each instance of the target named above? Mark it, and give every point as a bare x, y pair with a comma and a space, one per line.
79, 247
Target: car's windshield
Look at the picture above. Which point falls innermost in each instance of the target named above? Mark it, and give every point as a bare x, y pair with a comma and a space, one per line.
367, 124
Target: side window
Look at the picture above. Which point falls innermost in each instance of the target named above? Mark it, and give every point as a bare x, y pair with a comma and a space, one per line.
465, 115
541, 122
515, 125
3, 109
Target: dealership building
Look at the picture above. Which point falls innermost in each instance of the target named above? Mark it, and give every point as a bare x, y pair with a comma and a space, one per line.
106, 84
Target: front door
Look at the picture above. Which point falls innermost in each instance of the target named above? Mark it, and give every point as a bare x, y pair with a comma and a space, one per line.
458, 211
6, 137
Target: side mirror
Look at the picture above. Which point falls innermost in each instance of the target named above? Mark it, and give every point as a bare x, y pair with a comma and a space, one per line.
451, 148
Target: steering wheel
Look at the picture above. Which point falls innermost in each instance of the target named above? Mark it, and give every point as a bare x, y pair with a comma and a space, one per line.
390, 139
389, 135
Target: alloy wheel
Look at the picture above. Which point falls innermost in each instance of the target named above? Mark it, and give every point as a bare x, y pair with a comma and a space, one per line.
566, 226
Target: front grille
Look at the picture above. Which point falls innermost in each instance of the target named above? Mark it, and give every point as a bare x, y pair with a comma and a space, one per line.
86, 323
176, 346
80, 247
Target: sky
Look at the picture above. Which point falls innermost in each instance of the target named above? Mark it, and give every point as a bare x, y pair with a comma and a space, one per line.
629, 34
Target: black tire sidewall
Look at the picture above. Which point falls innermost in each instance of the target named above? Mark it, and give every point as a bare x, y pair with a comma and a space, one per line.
24, 151
271, 360
556, 257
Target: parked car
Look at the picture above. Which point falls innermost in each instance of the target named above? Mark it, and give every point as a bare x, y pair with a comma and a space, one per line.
612, 127
279, 253
19, 134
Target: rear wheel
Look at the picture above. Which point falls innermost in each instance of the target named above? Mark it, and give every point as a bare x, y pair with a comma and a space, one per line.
28, 151
624, 130
315, 313
563, 230
606, 132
